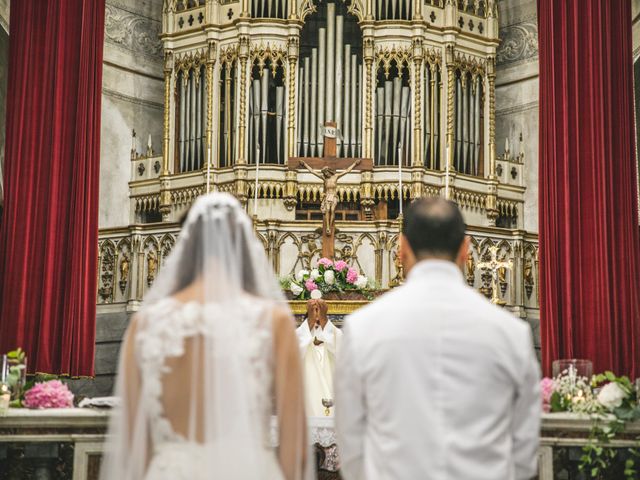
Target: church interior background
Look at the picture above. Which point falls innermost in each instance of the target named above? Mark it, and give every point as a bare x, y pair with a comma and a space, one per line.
195, 93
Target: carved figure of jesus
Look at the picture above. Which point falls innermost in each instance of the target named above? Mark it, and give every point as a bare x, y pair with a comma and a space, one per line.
330, 197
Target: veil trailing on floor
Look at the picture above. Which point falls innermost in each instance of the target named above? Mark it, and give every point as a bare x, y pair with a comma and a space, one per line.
209, 378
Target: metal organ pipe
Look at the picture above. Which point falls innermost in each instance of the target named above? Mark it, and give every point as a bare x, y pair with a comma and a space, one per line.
279, 119
465, 125
183, 89
397, 100
192, 122
359, 117
264, 108
388, 111
198, 146
321, 89
458, 124
347, 101
355, 105
338, 79
427, 115
478, 110
305, 127
404, 116
314, 99
330, 59
380, 117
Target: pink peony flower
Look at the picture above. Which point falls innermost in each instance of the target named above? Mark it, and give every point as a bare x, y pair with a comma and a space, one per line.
325, 262
340, 265
51, 394
311, 285
547, 387
352, 276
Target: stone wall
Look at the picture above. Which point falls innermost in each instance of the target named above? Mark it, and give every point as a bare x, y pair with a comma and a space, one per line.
132, 98
517, 93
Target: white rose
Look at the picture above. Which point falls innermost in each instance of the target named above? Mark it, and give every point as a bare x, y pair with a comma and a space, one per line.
611, 396
301, 274
316, 294
295, 289
361, 282
329, 277
314, 274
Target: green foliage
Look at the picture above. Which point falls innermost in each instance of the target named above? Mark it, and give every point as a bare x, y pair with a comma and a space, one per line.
597, 456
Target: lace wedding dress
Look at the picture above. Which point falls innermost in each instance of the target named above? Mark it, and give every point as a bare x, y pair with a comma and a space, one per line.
165, 330
208, 362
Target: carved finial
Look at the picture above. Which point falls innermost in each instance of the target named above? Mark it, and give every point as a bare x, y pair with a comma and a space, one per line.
149, 147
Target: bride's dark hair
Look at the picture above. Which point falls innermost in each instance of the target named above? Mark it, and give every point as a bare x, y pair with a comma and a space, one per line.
196, 255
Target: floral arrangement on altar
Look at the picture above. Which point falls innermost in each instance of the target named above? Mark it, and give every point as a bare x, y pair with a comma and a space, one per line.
610, 402
51, 394
39, 392
327, 276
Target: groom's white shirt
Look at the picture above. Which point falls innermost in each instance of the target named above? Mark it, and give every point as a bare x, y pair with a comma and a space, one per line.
434, 382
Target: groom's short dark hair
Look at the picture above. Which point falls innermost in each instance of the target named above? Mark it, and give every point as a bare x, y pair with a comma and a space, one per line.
434, 227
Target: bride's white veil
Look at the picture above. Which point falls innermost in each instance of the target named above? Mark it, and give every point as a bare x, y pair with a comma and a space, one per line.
209, 361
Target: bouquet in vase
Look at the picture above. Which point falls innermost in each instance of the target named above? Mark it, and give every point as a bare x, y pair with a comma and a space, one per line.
328, 276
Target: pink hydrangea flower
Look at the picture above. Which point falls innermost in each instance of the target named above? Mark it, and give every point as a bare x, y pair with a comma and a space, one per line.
311, 285
325, 262
352, 276
340, 265
547, 387
51, 394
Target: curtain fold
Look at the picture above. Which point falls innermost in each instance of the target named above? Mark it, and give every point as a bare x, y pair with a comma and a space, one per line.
589, 236
49, 232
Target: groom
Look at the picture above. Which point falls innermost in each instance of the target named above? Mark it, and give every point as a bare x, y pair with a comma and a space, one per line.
432, 381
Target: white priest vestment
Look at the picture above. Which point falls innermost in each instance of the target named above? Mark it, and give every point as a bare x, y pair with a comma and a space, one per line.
435, 383
318, 364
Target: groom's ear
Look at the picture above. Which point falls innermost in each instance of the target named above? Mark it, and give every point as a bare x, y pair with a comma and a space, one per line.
463, 251
406, 254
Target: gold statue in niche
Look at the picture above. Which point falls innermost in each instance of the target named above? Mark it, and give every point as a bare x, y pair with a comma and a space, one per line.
152, 267
124, 272
471, 269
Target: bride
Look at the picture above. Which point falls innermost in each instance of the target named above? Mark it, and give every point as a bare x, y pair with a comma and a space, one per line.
210, 366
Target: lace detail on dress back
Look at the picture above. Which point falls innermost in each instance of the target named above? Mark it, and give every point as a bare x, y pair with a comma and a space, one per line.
164, 329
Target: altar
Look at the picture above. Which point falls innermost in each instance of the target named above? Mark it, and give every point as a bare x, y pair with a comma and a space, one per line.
67, 444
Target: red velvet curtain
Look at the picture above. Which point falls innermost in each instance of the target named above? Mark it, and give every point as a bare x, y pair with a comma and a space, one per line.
589, 242
48, 238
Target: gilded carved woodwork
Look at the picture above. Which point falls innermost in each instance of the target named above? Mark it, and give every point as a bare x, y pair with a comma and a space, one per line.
398, 56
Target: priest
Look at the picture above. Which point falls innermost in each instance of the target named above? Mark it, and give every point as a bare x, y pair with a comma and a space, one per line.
319, 341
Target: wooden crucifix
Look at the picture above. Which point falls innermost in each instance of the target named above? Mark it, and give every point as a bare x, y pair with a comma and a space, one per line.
326, 169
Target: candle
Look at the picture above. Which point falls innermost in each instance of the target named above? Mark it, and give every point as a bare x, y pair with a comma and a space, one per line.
5, 398
255, 188
400, 176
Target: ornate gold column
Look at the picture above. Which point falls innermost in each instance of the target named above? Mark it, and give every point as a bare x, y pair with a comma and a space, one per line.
291, 185
418, 58
165, 192
211, 60
492, 187
242, 120
292, 52
451, 86
168, 77
368, 52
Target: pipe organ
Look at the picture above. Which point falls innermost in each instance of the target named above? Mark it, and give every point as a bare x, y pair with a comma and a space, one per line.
408, 83
330, 79
393, 109
469, 116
